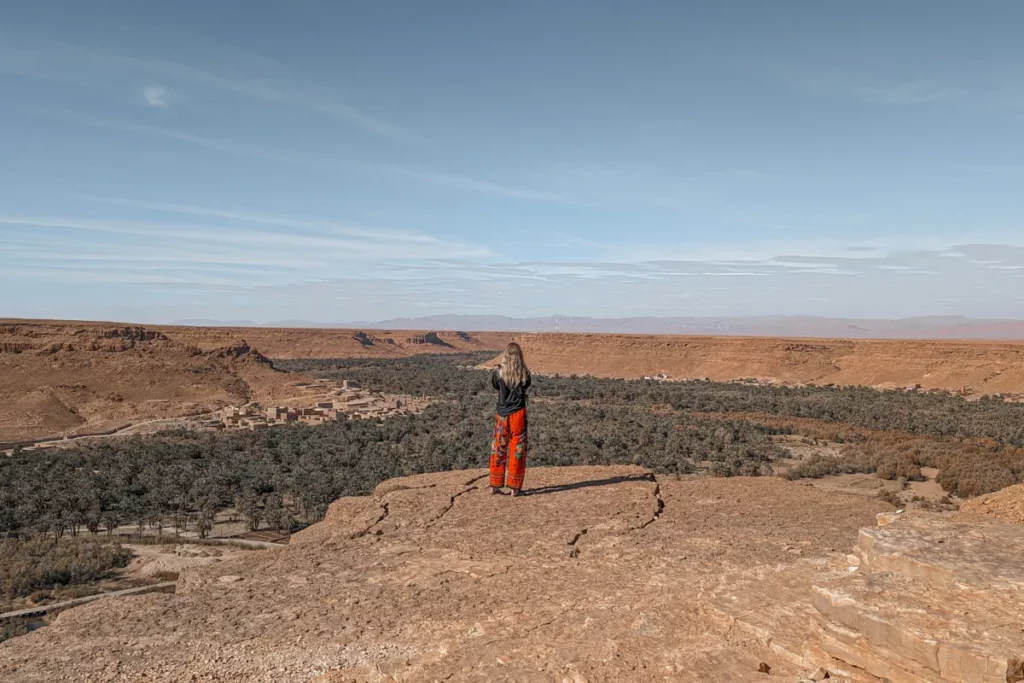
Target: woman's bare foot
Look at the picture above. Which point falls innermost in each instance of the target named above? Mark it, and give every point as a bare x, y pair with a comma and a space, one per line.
516, 493
493, 490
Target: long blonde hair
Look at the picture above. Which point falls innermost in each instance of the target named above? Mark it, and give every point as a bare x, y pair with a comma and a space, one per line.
513, 368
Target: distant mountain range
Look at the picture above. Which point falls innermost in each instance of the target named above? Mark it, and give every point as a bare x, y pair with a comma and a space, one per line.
931, 327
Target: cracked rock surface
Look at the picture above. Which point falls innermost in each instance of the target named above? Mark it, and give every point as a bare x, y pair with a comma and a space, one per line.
597, 574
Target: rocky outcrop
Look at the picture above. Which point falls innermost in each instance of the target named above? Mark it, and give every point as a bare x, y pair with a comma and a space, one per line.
364, 339
26, 335
337, 343
923, 599
934, 601
598, 575
241, 351
428, 338
54, 338
133, 333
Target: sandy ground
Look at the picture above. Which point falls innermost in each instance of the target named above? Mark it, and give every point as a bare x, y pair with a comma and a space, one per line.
158, 562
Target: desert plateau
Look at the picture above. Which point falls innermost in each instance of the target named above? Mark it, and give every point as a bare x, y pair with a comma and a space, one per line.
64, 378
736, 509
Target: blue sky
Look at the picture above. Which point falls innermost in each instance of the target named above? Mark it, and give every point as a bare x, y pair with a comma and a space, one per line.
338, 161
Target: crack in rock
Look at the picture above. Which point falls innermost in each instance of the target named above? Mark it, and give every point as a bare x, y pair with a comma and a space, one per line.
661, 503
574, 551
451, 504
531, 629
383, 515
403, 487
547, 623
476, 479
574, 548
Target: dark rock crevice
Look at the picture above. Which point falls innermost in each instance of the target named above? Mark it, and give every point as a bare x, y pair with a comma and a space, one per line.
660, 504
574, 549
451, 504
384, 512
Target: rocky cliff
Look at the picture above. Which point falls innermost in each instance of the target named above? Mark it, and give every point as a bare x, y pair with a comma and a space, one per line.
338, 343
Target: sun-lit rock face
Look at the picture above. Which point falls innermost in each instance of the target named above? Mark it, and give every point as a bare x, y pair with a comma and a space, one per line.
933, 600
598, 574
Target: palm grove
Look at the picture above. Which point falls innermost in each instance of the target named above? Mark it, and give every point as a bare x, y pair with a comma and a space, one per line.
288, 476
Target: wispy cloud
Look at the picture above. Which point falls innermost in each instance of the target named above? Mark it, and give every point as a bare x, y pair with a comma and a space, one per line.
323, 163
476, 185
793, 284
622, 184
991, 89
316, 275
215, 144
63, 62
232, 254
156, 96
54, 256
346, 248
332, 227
852, 82
910, 93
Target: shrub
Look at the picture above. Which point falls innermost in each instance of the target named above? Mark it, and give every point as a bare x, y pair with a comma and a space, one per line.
968, 478
42, 563
13, 628
895, 466
891, 497
817, 466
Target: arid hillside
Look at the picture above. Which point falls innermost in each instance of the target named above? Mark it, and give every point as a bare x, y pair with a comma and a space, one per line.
60, 379
981, 367
63, 378
337, 343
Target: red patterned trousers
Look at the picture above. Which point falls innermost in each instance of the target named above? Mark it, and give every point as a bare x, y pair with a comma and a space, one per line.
509, 450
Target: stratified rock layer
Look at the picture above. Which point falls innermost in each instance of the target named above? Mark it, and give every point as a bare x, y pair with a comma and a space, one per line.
935, 600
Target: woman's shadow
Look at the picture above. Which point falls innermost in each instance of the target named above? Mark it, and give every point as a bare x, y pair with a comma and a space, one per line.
587, 484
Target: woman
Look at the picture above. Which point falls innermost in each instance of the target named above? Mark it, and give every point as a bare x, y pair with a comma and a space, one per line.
511, 379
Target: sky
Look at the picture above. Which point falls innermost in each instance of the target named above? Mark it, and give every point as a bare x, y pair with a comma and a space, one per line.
359, 161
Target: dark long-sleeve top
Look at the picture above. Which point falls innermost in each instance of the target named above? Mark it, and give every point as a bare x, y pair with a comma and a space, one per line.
510, 399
